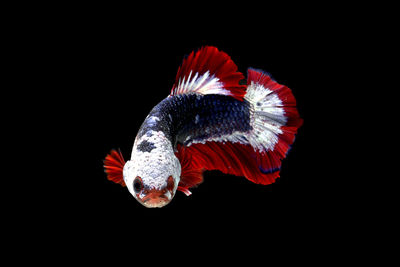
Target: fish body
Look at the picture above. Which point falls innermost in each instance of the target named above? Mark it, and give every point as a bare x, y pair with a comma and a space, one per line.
210, 121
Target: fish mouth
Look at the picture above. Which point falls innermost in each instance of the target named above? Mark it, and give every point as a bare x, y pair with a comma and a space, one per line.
155, 202
156, 198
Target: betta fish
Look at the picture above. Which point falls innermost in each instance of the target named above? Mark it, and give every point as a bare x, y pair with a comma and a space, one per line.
211, 120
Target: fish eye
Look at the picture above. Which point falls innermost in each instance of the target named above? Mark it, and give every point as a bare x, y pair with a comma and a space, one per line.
137, 185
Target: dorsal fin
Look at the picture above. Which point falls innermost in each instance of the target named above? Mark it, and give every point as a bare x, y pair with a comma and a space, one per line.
209, 71
113, 166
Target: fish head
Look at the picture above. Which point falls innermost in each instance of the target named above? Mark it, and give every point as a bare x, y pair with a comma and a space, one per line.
153, 183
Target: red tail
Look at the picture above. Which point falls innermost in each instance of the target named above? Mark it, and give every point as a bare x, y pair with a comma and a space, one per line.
113, 166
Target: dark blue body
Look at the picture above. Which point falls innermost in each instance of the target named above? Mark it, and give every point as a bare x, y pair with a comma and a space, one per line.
192, 117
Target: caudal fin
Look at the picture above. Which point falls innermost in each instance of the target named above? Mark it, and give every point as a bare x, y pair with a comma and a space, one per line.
275, 119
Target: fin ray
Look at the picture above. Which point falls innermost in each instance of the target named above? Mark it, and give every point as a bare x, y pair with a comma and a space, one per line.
113, 166
209, 71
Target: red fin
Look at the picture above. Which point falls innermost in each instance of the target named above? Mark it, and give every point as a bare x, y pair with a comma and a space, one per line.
230, 158
113, 166
190, 176
185, 190
198, 72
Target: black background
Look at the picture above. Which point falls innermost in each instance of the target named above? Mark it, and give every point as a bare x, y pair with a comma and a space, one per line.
103, 76
82, 78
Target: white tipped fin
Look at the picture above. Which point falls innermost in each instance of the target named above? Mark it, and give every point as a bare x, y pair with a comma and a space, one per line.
185, 190
209, 71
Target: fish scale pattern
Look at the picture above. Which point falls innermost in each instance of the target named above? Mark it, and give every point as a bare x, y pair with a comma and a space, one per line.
197, 118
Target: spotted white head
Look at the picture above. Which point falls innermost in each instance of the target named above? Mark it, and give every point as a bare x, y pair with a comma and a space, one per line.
152, 175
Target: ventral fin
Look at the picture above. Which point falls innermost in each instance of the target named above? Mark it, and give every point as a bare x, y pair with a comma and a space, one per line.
113, 167
184, 190
209, 71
